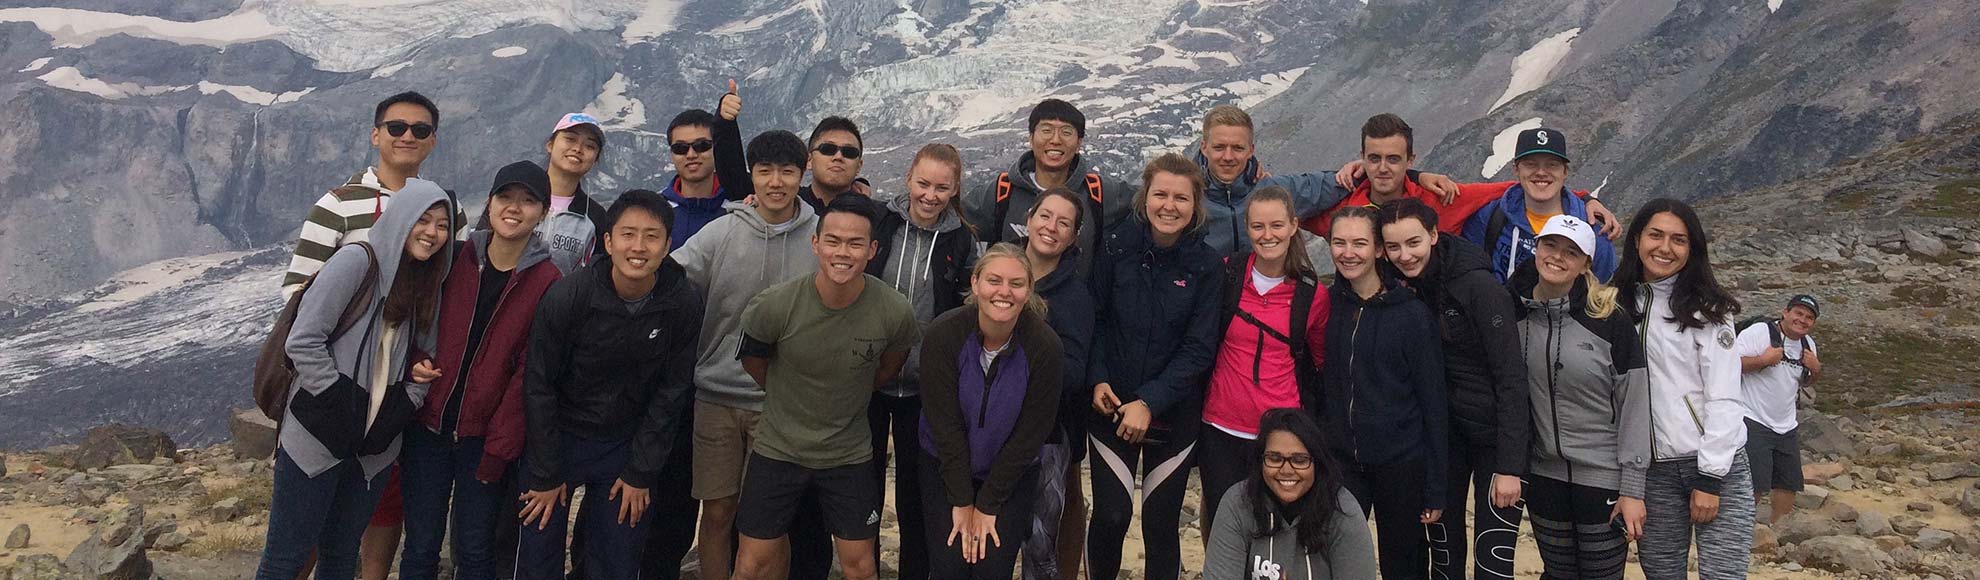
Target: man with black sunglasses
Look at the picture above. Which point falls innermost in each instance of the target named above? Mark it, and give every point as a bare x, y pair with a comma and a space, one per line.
704, 181
404, 129
835, 161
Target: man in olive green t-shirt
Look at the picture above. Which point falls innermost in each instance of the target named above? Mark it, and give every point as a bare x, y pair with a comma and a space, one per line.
820, 345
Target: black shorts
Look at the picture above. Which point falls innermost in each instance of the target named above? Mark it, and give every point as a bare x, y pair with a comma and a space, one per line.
1776, 458
848, 495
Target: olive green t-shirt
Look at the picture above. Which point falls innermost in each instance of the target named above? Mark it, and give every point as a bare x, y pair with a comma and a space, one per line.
822, 367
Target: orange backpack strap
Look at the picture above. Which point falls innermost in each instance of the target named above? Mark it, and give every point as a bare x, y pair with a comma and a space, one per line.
1093, 189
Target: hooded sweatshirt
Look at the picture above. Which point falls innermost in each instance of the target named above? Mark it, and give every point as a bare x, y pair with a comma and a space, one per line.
1694, 388
931, 267
1223, 227
1514, 245
342, 216
1255, 369
1117, 197
1589, 391
1157, 328
336, 383
1476, 324
733, 259
1384, 381
485, 391
986, 424
1240, 551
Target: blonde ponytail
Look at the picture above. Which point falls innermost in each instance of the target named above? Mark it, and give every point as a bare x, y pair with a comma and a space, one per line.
1601, 297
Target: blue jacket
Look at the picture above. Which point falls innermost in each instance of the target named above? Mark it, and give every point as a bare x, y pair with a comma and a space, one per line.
1514, 246
731, 184
1157, 329
1383, 379
1069, 309
1223, 227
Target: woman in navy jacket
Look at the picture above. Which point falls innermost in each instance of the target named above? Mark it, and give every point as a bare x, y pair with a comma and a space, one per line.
1058, 529
1384, 396
1158, 287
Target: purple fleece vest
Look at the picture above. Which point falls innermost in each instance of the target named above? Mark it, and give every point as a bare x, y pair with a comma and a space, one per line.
990, 409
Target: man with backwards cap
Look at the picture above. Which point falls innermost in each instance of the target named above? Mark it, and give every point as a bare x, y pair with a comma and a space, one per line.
1777, 360
1505, 228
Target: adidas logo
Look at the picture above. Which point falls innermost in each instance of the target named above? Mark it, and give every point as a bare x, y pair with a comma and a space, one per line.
872, 517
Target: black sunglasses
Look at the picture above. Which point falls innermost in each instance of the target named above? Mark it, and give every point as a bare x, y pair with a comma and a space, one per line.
830, 149
398, 129
698, 145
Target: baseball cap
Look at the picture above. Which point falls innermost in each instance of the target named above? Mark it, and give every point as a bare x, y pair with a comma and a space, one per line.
527, 174
570, 120
1542, 140
1806, 301
1573, 229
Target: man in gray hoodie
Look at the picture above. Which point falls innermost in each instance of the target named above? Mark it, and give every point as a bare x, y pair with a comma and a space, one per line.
731, 260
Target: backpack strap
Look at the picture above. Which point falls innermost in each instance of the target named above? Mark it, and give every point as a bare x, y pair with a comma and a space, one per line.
1095, 192
1003, 207
1495, 228
1775, 337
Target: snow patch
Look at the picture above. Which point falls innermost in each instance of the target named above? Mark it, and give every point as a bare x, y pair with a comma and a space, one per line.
386, 71
1598, 189
36, 64
1773, 5
68, 78
655, 20
143, 281
1531, 68
251, 95
508, 52
616, 111
754, 24
1502, 147
75, 28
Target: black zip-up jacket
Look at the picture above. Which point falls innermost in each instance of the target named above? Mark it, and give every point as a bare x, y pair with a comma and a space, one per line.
1157, 324
600, 372
952, 261
1069, 310
1384, 382
1478, 324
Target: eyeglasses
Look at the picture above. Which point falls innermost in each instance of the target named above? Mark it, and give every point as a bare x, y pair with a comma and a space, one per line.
1297, 460
398, 129
1066, 133
698, 145
830, 149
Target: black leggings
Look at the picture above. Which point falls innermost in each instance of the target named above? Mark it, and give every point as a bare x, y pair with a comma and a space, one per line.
900, 417
1013, 528
1224, 460
1394, 494
1115, 463
1496, 529
1571, 524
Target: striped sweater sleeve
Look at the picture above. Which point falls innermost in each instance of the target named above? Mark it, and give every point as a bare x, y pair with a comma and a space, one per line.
322, 231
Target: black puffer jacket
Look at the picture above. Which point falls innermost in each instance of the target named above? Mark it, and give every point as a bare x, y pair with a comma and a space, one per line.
602, 373
1478, 322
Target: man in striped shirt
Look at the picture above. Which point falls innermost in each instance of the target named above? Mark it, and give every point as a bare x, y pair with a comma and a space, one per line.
404, 129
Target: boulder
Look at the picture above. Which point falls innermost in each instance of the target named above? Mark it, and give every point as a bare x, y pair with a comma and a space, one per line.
115, 549
1843, 554
1873, 523
1819, 473
1842, 482
1839, 511
1932, 539
1945, 471
226, 510
1923, 244
1969, 501
1822, 435
254, 435
1892, 542
1907, 525
1765, 541
39, 567
1811, 498
117, 444
1919, 506
19, 537
1802, 526
171, 542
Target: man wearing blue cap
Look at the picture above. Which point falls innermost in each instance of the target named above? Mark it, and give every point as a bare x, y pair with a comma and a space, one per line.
1777, 360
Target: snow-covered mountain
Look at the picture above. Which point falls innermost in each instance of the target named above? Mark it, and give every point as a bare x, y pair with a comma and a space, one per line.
158, 152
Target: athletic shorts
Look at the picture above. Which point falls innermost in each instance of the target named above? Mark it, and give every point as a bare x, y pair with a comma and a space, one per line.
848, 496
1776, 458
391, 510
721, 446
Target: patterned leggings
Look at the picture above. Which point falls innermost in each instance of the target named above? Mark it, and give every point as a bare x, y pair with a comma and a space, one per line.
1724, 544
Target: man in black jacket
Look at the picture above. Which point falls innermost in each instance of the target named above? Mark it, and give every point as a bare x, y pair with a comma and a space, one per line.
610, 372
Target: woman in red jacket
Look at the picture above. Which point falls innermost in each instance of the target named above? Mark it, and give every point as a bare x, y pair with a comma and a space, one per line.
1275, 327
471, 428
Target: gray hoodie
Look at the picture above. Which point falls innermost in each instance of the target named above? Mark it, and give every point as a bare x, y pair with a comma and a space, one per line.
328, 405
1237, 553
1589, 391
910, 269
731, 260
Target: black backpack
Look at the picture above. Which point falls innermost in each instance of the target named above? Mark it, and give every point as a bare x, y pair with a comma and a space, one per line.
1775, 338
1236, 270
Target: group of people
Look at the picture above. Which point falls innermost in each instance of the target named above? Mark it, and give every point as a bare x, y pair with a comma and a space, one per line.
735, 363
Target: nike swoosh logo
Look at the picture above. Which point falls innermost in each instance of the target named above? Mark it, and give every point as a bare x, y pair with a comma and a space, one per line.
1611, 501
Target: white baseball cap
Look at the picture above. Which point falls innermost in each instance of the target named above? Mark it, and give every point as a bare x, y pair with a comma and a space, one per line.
1573, 229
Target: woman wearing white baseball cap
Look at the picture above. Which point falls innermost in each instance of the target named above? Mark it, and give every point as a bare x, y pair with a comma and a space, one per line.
1590, 397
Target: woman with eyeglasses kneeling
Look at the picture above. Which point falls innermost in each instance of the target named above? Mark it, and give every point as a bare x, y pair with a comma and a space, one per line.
1292, 519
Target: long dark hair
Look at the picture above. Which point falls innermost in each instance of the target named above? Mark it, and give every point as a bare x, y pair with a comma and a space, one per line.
416, 287
1314, 512
1696, 299
1298, 265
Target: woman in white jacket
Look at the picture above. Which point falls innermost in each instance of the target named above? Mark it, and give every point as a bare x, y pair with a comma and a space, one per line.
1698, 481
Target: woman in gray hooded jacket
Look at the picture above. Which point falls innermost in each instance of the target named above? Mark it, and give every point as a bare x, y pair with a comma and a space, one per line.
1591, 408
355, 394
1291, 520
